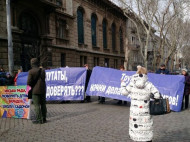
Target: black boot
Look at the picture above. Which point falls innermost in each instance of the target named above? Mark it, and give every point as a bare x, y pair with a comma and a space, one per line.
119, 102
44, 120
37, 122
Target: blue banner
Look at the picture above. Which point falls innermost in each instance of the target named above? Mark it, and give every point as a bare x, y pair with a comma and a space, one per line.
22, 78
61, 83
106, 82
65, 83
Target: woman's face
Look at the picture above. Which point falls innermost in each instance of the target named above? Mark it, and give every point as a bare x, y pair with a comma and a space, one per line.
183, 72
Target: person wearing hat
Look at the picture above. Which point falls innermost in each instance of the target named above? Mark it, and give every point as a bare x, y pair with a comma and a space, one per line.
162, 70
186, 89
140, 90
36, 80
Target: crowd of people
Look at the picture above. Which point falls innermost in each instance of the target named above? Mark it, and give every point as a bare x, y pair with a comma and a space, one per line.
6, 79
138, 86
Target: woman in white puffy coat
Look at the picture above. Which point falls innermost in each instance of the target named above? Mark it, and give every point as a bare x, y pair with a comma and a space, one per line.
140, 89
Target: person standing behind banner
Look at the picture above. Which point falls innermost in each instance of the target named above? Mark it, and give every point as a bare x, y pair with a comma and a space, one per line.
9, 79
186, 89
15, 79
88, 74
121, 68
162, 70
36, 80
2, 70
140, 91
2, 78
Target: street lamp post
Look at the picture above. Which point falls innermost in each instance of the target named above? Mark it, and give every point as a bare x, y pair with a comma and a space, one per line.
9, 35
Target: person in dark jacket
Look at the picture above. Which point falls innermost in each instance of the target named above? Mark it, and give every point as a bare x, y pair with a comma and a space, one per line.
36, 80
2, 78
186, 89
162, 70
88, 74
9, 79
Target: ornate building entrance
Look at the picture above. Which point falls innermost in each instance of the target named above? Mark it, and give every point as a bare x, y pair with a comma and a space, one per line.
30, 40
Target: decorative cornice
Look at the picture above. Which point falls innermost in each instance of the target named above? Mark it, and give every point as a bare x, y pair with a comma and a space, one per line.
88, 51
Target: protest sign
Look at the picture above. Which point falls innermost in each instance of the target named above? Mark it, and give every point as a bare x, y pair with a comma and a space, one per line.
106, 82
65, 83
14, 102
61, 83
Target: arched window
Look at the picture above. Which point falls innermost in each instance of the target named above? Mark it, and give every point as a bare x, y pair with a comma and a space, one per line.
80, 25
104, 27
93, 29
121, 39
113, 29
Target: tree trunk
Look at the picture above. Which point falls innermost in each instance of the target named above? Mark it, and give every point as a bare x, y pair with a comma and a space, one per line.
146, 50
126, 54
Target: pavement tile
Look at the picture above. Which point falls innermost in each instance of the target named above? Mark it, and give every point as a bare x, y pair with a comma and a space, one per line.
91, 122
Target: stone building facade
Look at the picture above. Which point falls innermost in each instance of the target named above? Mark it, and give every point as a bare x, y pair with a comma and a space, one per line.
134, 47
64, 33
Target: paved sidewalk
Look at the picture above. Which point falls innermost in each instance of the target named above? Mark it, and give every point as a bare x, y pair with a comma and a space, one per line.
92, 122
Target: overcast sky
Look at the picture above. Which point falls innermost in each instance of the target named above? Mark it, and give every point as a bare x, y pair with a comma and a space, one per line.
186, 9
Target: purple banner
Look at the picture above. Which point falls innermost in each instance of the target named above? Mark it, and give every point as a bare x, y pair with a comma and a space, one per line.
61, 83
65, 84
106, 82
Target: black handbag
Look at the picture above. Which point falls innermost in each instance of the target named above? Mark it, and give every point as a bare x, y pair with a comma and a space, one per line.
30, 91
30, 94
159, 106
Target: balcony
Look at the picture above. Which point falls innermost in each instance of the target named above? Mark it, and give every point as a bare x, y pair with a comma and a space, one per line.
134, 47
52, 3
96, 48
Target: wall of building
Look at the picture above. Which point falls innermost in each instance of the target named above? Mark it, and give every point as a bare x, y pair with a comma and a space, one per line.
87, 49
3, 36
46, 17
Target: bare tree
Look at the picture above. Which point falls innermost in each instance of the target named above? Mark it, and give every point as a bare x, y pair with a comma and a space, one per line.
165, 17
184, 44
143, 21
169, 22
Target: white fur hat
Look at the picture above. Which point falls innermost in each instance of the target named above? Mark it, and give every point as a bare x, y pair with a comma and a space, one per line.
184, 69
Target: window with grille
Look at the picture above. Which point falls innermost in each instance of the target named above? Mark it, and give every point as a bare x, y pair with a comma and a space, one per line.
80, 26
113, 36
104, 24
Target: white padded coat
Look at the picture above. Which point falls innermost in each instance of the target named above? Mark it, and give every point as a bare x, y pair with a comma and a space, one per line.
140, 121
